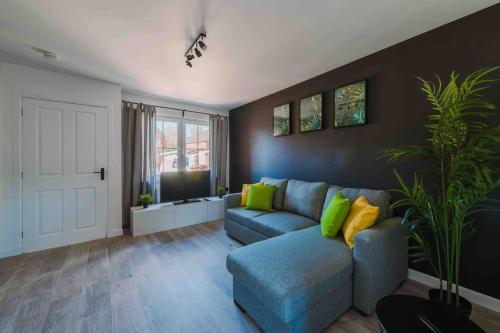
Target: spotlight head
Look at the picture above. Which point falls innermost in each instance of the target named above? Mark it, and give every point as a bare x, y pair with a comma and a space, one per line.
202, 45
188, 63
190, 57
198, 53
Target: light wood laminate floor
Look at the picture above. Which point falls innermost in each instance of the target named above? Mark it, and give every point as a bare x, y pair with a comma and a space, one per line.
173, 281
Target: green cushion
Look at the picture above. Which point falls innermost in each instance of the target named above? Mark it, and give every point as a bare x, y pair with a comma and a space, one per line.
260, 197
334, 215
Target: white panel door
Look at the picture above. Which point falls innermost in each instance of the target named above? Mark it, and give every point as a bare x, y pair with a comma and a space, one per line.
64, 199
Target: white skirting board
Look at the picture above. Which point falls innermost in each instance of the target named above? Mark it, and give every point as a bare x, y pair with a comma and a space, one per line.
471, 295
9, 252
114, 233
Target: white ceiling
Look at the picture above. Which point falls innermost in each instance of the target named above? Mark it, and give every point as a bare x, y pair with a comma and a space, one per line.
255, 47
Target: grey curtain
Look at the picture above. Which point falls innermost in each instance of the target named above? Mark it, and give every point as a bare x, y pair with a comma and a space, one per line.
219, 131
139, 155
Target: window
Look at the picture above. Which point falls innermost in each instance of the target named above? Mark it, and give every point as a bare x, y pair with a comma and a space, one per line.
167, 134
192, 136
196, 147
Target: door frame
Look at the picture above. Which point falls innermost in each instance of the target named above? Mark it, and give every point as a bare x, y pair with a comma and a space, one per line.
17, 97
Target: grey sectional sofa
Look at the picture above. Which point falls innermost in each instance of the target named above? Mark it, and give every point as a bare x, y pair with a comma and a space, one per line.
290, 278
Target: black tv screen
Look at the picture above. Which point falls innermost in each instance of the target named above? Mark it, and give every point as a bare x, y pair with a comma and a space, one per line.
184, 185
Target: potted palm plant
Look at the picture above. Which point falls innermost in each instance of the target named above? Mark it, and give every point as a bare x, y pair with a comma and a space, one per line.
221, 191
145, 199
463, 149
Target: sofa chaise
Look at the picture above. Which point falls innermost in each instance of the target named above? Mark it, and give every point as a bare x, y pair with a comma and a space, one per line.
289, 278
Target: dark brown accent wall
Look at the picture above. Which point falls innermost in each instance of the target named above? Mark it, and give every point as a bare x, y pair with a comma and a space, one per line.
396, 114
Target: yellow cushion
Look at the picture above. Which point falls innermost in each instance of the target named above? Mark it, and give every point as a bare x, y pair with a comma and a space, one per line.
361, 216
244, 193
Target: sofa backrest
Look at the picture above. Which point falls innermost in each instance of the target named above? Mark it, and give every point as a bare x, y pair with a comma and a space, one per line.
379, 198
279, 195
305, 198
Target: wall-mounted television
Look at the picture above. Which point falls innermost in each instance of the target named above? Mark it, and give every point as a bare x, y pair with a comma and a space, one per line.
184, 185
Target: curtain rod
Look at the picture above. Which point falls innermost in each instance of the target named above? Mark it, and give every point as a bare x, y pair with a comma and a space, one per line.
182, 110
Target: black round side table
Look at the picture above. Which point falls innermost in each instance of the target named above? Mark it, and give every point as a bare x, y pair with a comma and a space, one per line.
405, 313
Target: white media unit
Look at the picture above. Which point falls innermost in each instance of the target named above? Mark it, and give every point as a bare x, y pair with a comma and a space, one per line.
166, 216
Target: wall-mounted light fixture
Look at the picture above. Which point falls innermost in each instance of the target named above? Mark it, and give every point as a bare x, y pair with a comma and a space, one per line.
49, 55
193, 49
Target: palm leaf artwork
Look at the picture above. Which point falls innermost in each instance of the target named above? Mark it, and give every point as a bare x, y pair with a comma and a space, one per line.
310, 113
463, 150
281, 120
314, 122
281, 127
350, 105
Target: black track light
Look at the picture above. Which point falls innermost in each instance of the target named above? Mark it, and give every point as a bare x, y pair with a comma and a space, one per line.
202, 45
194, 50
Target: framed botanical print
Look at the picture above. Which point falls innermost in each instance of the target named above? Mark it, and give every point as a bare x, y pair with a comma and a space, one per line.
311, 117
350, 105
281, 120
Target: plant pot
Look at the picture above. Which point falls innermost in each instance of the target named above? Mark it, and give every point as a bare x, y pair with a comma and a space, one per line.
220, 196
444, 310
145, 205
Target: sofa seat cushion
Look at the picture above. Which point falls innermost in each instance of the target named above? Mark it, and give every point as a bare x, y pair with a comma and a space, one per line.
279, 223
292, 272
243, 216
305, 198
279, 195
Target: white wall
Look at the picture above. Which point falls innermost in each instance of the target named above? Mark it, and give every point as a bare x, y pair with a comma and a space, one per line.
17, 81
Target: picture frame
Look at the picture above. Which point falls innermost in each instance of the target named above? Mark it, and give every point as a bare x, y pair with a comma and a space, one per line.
350, 104
282, 120
311, 113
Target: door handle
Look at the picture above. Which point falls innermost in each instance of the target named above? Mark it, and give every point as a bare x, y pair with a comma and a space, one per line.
101, 172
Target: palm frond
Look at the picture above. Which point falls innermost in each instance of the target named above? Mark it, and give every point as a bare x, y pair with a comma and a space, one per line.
463, 146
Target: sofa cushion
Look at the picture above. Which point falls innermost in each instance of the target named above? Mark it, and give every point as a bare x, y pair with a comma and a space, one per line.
379, 198
330, 193
305, 198
279, 195
260, 197
244, 193
242, 233
279, 223
361, 216
292, 272
334, 215
243, 216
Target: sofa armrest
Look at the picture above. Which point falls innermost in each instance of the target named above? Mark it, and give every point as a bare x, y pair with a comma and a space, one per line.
380, 262
232, 200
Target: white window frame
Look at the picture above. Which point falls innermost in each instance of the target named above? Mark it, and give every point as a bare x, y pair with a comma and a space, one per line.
184, 122
179, 136
181, 142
